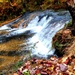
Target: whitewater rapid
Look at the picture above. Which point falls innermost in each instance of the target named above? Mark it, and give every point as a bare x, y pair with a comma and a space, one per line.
43, 25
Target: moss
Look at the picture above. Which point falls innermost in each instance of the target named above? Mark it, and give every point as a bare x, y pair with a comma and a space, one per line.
17, 65
68, 25
58, 45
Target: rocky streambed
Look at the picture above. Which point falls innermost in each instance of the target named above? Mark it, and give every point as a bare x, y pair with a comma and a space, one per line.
30, 36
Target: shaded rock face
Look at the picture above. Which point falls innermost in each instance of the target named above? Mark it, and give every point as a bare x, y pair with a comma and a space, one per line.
71, 7
72, 12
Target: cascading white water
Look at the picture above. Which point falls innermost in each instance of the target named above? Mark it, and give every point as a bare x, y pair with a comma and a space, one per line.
43, 39
45, 25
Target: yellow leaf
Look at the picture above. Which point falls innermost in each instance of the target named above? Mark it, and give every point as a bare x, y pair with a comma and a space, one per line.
51, 68
3, 0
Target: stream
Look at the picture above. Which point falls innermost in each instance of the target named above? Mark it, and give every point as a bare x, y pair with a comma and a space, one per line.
32, 32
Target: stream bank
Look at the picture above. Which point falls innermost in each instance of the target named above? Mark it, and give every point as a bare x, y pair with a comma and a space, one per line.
63, 41
10, 9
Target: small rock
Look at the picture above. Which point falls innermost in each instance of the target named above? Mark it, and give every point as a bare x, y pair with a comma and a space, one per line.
63, 67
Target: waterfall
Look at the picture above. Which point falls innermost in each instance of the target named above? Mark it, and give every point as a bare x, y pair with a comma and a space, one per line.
43, 25
50, 23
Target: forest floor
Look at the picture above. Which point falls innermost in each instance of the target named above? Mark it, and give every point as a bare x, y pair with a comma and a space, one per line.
11, 9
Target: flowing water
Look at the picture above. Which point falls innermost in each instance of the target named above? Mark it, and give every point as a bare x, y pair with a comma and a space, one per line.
34, 32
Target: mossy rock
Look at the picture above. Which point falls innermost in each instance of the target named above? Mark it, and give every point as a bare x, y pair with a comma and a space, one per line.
61, 40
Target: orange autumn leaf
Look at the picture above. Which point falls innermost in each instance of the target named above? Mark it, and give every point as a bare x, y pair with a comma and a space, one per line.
62, 0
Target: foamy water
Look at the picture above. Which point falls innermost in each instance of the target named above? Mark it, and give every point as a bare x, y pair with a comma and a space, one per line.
43, 25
